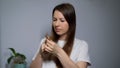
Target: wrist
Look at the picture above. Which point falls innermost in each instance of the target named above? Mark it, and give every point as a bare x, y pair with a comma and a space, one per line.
59, 52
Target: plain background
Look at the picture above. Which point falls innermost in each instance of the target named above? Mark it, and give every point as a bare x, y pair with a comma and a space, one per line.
23, 23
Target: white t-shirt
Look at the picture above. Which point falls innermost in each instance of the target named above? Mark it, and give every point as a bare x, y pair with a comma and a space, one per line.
79, 53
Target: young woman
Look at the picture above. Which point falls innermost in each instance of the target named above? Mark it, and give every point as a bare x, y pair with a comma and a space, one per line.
62, 49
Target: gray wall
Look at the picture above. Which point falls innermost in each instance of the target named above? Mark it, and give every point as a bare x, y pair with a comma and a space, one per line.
24, 22
0, 32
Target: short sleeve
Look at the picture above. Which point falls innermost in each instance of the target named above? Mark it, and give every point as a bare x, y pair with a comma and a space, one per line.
38, 49
83, 54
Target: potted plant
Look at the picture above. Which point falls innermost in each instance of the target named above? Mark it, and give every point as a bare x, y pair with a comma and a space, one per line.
17, 60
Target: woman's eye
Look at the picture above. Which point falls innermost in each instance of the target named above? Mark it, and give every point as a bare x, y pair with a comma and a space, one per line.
54, 19
62, 20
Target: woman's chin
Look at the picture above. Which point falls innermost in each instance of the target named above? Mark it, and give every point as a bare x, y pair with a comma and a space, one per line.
58, 33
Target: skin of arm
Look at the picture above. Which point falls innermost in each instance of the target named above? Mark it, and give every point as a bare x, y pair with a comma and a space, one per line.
37, 62
65, 60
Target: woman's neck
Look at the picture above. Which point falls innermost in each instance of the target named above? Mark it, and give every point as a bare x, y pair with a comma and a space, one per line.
63, 37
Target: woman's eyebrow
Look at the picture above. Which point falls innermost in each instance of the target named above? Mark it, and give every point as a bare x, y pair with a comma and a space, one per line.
59, 18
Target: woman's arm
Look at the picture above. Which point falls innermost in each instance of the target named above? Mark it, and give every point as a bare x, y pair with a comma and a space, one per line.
37, 62
65, 60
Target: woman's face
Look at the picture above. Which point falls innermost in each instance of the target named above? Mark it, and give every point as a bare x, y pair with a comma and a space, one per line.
60, 24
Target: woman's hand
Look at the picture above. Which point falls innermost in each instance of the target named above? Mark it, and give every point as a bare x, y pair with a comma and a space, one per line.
50, 46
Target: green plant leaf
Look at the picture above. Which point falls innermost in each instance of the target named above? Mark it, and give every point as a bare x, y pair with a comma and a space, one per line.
21, 55
13, 51
17, 57
9, 59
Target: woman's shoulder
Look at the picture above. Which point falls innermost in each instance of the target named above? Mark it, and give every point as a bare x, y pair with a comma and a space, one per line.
80, 42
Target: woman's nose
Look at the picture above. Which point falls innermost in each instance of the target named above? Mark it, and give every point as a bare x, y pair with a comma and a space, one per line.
57, 23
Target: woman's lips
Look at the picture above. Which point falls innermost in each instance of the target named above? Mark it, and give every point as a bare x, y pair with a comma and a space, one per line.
57, 30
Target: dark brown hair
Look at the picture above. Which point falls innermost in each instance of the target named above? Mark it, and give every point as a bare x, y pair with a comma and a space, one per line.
68, 12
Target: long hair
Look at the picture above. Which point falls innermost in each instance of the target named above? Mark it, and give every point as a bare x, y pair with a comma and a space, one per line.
68, 12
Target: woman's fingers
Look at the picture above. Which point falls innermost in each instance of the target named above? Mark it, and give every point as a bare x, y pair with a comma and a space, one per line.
49, 46
43, 47
50, 42
48, 49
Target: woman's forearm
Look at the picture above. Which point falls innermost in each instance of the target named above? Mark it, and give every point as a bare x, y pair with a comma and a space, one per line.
37, 62
65, 60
